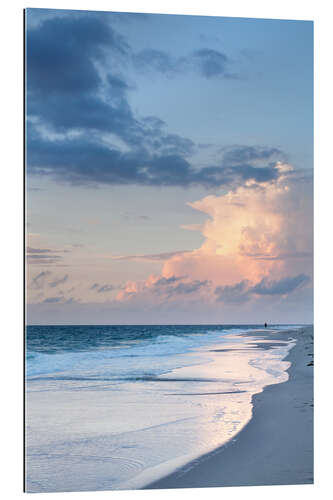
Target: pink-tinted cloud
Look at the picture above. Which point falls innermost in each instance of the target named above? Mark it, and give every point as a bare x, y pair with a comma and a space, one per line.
256, 258
258, 244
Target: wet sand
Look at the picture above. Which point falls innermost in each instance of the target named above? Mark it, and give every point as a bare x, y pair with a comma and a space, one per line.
276, 446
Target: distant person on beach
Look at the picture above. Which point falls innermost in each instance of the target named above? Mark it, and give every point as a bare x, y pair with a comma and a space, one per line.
265, 325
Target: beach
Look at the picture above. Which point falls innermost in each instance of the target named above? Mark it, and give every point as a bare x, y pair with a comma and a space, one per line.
276, 446
168, 402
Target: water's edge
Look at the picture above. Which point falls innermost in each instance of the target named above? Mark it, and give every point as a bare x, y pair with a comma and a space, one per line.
219, 458
181, 465
199, 418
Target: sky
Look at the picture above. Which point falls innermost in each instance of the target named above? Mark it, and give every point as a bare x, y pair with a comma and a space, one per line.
169, 169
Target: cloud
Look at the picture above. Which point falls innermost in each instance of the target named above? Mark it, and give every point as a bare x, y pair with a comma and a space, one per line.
243, 154
257, 252
190, 287
66, 88
58, 281
233, 293
61, 53
279, 287
177, 285
205, 62
81, 128
40, 285
104, 288
211, 63
81, 160
37, 251
161, 288
39, 280
257, 244
71, 101
168, 281
53, 300
150, 257
44, 256
244, 290
258, 240
44, 260
62, 113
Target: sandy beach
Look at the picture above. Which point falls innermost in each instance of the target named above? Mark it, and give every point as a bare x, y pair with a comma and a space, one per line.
276, 446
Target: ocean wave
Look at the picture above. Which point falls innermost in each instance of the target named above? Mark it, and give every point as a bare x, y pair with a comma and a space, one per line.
131, 358
161, 354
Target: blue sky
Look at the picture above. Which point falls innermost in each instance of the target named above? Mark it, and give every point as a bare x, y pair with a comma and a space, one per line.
142, 131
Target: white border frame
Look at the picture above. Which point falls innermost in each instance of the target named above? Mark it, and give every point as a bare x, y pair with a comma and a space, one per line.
11, 229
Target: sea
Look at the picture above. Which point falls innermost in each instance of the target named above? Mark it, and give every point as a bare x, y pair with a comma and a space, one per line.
118, 407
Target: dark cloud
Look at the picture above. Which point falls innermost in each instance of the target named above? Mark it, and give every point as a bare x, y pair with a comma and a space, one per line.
172, 144
233, 293
67, 93
70, 97
168, 281
83, 161
116, 82
45, 256
240, 154
83, 113
225, 175
187, 288
165, 286
176, 285
205, 62
61, 53
242, 291
104, 288
44, 259
37, 251
65, 87
211, 63
280, 287
60, 299
53, 300
58, 281
152, 123
39, 280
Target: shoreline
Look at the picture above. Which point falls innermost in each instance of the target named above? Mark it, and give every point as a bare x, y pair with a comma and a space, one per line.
276, 446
